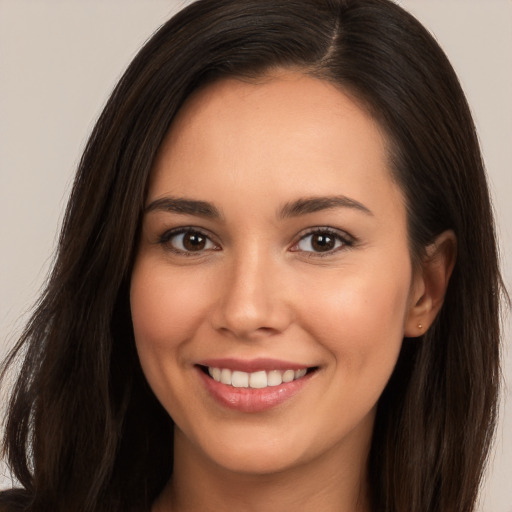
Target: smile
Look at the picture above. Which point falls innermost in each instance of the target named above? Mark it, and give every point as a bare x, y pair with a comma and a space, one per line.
255, 380
253, 386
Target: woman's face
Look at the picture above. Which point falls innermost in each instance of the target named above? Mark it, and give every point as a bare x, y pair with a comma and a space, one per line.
273, 255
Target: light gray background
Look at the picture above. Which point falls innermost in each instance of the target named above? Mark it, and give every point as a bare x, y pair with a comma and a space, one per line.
60, 58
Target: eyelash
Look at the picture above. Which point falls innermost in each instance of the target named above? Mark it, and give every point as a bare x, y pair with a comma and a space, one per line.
341, 240
340, 237
166, 240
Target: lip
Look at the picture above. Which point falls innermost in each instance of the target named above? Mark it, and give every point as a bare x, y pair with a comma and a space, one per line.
249, 400
253, 365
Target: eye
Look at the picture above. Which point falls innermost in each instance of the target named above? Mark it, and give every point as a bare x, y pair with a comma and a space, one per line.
321, 240
187, 241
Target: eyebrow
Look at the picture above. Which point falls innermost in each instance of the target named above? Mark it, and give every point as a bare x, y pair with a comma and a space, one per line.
307, 205
184, 206
296, 208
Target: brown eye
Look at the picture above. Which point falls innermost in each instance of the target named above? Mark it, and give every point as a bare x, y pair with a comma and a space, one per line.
193, 241
187, 241
321, 241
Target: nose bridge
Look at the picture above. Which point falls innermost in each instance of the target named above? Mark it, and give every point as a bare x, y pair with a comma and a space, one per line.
251, 300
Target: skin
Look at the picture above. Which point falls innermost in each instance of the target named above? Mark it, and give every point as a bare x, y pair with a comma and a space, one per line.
259, 288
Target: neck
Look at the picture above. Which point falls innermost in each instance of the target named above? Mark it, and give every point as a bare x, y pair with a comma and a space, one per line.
333, 482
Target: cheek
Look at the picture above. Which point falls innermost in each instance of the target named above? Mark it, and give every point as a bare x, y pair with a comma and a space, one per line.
166, 308
360, 318
166, 311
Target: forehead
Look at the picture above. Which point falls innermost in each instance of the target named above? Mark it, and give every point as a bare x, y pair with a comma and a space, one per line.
298, 131
273, 100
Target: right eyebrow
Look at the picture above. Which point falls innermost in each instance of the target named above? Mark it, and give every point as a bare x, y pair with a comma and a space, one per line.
184, 206
307, 205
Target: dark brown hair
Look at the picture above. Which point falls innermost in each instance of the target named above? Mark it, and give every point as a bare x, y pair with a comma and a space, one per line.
85, 433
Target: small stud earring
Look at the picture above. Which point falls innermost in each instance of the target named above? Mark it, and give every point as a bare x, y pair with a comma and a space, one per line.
420, 326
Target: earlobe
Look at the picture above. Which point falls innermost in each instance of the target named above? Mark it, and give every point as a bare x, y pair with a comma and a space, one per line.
430, 284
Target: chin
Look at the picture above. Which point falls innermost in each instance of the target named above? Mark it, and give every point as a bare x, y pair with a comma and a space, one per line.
258, 462
259, 453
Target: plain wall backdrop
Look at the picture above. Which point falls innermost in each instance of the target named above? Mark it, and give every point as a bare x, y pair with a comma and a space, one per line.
59, 59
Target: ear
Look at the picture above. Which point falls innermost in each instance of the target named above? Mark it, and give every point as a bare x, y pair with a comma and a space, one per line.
430, 283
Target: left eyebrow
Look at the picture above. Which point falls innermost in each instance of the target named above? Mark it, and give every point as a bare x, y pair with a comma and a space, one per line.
307, 205
184, 206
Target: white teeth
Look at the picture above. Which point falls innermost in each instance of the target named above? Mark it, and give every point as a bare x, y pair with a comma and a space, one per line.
288, 375
239, 379
258, 380
215, 374
225, 376
274, 378
300, 373
255, 380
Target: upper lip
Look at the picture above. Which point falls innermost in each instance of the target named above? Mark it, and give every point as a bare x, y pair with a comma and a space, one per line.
252, 365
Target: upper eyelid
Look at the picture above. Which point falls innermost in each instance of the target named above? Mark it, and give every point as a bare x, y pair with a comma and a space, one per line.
164, 240
341, 233
167, 234
184, 229
347, 241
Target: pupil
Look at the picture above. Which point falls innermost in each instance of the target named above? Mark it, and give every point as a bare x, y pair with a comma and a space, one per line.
194, 241
323, 242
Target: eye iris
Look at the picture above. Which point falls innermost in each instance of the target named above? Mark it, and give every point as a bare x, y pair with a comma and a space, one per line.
193, 241
323, 242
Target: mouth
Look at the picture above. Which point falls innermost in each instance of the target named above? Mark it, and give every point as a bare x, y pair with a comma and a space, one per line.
255, 380
251, 387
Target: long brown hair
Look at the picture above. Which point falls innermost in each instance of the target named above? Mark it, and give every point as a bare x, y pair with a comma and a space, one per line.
85, 433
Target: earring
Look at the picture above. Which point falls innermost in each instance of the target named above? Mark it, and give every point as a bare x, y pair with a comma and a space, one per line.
420, 326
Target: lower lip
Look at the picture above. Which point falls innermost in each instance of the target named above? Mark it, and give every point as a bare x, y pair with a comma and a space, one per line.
249, 399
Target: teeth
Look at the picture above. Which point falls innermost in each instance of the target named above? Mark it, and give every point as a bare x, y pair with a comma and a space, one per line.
288, 376
274, 378
239, 379
300, 373
255, 380
215, 373
258, 380
225, 376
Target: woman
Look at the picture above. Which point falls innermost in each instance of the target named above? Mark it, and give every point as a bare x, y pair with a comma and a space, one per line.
277, 280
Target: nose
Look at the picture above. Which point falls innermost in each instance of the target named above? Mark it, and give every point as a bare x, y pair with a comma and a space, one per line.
253, 298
